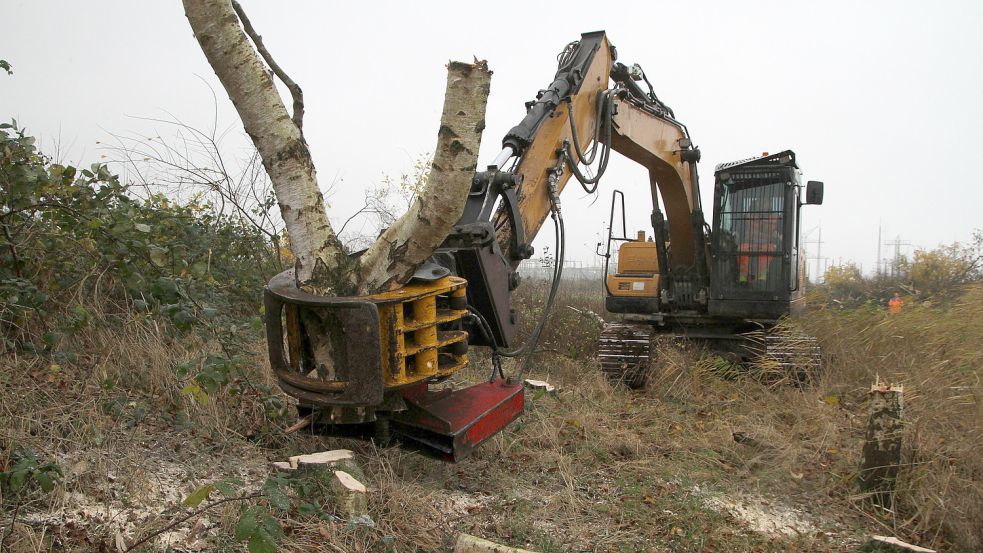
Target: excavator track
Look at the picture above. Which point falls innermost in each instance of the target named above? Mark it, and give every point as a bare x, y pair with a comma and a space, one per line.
625, 352
791, 356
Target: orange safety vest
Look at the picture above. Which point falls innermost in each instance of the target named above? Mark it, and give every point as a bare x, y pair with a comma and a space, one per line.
895, 304
744, 262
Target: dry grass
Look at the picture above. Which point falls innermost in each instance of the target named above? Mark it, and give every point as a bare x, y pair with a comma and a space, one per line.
935, 351
590, 468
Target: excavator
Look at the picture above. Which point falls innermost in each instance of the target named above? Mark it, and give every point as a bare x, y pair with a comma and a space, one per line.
392, 352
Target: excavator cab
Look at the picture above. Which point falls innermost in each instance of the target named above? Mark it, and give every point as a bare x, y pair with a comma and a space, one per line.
756, 267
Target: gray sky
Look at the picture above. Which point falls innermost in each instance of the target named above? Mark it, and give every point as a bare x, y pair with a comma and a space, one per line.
881, 100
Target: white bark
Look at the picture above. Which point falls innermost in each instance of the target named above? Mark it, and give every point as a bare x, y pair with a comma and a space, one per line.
322, 265
393, 258
321, 262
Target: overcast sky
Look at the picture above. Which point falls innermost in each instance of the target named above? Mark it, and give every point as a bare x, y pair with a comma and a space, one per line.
880, 100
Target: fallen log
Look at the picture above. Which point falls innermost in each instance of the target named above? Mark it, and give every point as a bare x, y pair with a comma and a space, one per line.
890, 544
467, 543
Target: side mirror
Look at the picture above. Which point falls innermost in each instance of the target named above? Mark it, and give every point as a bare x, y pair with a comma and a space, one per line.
814, 192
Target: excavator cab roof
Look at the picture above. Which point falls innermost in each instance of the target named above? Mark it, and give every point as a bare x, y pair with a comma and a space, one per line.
785, 158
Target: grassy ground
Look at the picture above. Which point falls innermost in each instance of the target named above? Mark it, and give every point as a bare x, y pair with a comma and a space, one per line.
589, 468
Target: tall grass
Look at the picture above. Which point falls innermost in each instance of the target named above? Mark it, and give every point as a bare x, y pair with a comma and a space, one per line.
936, 351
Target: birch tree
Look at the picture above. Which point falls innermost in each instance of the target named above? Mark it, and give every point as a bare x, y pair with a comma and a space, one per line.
246, 69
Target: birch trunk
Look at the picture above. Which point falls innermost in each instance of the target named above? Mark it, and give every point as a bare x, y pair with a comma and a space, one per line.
393, 258
322, 265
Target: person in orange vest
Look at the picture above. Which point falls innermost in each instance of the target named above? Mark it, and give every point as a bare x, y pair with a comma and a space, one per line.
896, 303
765, 232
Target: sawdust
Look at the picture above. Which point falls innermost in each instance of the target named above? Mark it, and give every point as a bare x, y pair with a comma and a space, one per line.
456, 504
133, 499
766, 516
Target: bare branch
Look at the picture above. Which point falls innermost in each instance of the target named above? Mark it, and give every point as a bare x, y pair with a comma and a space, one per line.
192, 514
295, 91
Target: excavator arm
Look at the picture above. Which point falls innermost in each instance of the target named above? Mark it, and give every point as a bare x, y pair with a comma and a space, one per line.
580, 117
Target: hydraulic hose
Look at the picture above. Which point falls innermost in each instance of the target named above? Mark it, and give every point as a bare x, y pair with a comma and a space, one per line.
605, 107
529, 347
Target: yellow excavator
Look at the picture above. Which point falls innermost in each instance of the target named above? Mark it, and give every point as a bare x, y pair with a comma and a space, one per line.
681, 275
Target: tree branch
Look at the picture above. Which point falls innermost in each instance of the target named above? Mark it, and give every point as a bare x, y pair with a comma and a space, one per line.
295, 92
190, 515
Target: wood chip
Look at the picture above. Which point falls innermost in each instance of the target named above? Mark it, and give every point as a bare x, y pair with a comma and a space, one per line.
322, 458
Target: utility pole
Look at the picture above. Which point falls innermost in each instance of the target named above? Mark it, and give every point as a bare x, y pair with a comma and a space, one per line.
819, 253
896, 263
877, 266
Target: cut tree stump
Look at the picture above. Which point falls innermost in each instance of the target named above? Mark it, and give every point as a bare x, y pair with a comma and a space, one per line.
540, 385
349, 495
320, 459
467, 543
881, 457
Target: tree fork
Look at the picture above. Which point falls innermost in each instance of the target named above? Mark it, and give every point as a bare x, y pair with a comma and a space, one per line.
322, 265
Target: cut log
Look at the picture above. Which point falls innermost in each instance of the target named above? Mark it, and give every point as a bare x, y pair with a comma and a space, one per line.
320, 459
892, 544
470, 544
881, 457
349, 495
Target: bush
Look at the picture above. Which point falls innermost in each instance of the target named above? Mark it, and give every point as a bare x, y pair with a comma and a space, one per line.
938, 274
74, 240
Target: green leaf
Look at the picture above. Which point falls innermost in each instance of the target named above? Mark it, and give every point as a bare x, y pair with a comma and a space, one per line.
247, 525
309, 509
195, 391
142, 227
199, 269
261, 542
198, 495
158, 256
277, 498
225, 488
183, 319
45, 480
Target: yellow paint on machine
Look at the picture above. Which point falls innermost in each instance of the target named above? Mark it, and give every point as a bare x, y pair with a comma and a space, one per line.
413, 347
638, 270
